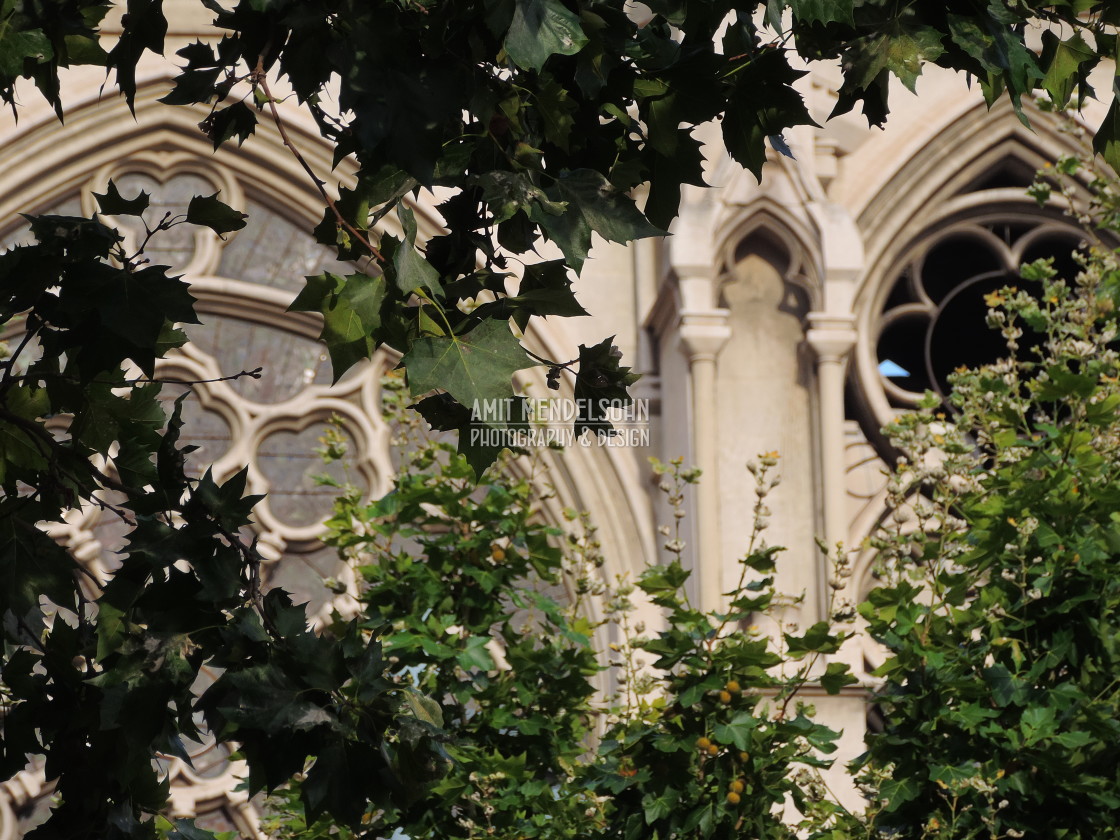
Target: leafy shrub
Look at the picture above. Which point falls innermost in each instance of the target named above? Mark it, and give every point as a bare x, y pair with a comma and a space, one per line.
1000, 606
549, 730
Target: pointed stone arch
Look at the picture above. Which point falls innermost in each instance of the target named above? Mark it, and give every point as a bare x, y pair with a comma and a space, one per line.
772, 232
948, 170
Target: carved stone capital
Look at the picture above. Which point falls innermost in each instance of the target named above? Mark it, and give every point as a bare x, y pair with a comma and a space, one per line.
703, 333
831, 337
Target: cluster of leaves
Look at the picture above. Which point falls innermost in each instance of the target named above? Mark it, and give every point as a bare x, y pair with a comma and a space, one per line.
467, 583
1001, 606
716, 740
537, 119
101, 672
489, 612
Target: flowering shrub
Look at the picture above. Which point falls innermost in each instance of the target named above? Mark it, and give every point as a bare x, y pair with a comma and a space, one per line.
1000, 603
548, 729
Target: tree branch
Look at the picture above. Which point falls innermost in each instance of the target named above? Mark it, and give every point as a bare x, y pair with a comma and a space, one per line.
259, 78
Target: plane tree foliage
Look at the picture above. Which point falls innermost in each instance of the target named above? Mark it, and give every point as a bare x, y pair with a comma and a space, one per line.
540, 120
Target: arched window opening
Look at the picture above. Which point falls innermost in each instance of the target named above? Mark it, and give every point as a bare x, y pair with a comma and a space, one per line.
933, 320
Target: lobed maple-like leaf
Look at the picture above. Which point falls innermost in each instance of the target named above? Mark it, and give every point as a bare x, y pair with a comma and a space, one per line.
473, 368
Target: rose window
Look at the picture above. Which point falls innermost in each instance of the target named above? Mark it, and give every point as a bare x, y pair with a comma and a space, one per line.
269, 425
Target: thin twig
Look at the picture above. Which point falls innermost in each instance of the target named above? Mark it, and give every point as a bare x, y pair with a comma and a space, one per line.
120, 512
93, 578
10, 363
166, 223
255, 373
143, 380
253, 564
259, 77
550, 363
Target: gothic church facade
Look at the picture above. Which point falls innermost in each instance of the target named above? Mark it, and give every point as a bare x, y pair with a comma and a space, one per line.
797, 315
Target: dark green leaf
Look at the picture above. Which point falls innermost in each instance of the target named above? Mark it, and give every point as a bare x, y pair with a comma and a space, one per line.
836, 676
112, 203
1063, 72
209, 212
542, 28
237, 120
823, 11
412, 270
18, 46
736, 731
592, 205
351, 310
472, 368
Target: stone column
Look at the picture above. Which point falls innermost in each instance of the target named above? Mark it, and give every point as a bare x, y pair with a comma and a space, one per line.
703, 333
831, 338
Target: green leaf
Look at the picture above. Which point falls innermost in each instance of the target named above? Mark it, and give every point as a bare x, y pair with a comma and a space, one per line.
902, 51
818, 639
1037, 722
412, 270
476, 444
19, 445
555, 105
18, 46
506, 193
144, 29
472, 368
600, 387
475, 656
197, 81
1074, 740
236, 119
836, 676
897, 792
658, 807
1106, 142
1063, 72
998, 51
423, 707
1006, 689
112, 203
219, 217
763, 103
32, 565
592, 205
823, 11
351, 310
657, 579
736, 731
695, 693
542, 28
